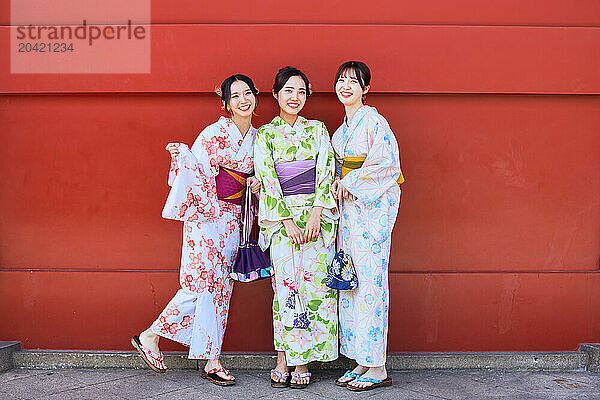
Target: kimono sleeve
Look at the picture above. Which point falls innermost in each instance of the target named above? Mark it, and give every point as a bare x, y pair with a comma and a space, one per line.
381, 169
206, 151
173, 169
193, 194
272, 208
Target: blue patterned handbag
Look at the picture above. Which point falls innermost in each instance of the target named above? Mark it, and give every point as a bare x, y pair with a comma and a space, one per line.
341, 274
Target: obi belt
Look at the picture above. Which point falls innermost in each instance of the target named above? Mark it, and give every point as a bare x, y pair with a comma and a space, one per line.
231, 185
352, 163
297, 177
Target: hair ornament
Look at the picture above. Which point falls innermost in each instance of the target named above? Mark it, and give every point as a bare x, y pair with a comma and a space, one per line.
309, 88
218, 91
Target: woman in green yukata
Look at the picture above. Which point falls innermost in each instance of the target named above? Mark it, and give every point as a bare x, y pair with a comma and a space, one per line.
298, 215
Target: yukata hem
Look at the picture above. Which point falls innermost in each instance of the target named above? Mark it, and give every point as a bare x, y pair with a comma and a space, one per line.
294, 362
190, 357
363, 361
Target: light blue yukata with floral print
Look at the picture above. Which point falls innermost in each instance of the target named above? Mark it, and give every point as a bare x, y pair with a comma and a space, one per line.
366, 224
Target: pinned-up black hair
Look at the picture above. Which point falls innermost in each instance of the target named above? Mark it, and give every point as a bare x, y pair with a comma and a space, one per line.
285, 74
226, 88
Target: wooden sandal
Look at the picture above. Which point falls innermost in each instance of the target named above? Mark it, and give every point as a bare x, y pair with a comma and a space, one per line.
375, 384
284, 379
298, 376
214, 377
347, 374
148, 355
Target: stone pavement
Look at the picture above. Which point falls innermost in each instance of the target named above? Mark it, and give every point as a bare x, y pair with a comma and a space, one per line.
103, 384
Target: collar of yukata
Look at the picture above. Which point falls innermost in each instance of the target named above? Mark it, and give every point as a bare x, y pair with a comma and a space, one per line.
229, 126
278, 121
359, 115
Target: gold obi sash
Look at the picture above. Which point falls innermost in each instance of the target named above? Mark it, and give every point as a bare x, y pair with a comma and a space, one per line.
352, 163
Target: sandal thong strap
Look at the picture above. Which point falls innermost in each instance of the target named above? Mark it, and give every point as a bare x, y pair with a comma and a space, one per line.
216, 370
149, 353
367, 379
350, 374
302, 375
280, 375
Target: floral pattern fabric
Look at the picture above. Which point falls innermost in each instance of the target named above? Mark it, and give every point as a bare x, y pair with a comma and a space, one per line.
299, 270
366, 224
197, 315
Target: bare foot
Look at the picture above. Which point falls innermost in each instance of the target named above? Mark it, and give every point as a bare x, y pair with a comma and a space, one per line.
358, 370
212, 364
378, 373
301, 369
281, 368
149, 340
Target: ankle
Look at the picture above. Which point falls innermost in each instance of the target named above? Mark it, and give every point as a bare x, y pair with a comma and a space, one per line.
301, 368
149, 335
211, 364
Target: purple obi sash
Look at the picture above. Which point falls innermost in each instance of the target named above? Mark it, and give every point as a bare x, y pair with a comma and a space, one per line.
230, 185
297, 177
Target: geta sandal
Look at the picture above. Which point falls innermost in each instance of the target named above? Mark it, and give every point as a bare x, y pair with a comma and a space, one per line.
214, 377
284, 379
298, 376
375, 383
148, 355
347, 374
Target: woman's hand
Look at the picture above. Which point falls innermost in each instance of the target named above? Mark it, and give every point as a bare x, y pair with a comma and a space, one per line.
340, 191
293, 232
334, 188
313, 225
172, 148
253, 184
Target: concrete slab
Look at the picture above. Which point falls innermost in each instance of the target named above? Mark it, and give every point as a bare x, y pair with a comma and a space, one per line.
254, 384
558, 361
7, 349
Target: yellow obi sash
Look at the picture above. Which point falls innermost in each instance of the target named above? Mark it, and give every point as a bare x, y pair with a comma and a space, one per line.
352, 163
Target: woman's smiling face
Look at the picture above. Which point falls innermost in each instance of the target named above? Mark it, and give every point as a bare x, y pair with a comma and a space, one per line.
348, 89
242, 101
292, 96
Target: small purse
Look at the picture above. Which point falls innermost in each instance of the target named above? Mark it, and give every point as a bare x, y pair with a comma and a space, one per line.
341, 274
251, 264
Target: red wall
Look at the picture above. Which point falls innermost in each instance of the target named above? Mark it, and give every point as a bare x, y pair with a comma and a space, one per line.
495, 107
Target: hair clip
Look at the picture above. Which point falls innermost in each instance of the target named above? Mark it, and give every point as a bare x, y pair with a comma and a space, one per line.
218, 91
222, 106
309, 88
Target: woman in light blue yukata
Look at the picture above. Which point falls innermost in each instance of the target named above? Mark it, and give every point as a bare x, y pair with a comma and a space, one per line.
369, 177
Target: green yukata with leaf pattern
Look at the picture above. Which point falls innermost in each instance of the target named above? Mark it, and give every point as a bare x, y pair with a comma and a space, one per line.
299, 266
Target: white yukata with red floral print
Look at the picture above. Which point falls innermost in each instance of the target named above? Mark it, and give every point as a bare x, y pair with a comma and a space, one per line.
197, 315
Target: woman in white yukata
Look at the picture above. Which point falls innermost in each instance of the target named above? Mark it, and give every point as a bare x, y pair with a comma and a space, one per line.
207, 186
298, 216
367, 152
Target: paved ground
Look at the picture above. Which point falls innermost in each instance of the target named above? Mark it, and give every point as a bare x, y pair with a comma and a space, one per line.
415, 385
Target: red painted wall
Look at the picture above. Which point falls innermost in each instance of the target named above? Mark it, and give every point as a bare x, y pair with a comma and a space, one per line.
495, 107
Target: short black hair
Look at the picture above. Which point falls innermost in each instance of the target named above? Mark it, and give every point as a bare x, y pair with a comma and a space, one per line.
285, 74
226, 88
362, 72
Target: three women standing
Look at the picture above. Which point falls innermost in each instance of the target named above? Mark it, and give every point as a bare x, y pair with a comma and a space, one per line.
296, 169
367, 151
298, 219
207, 183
